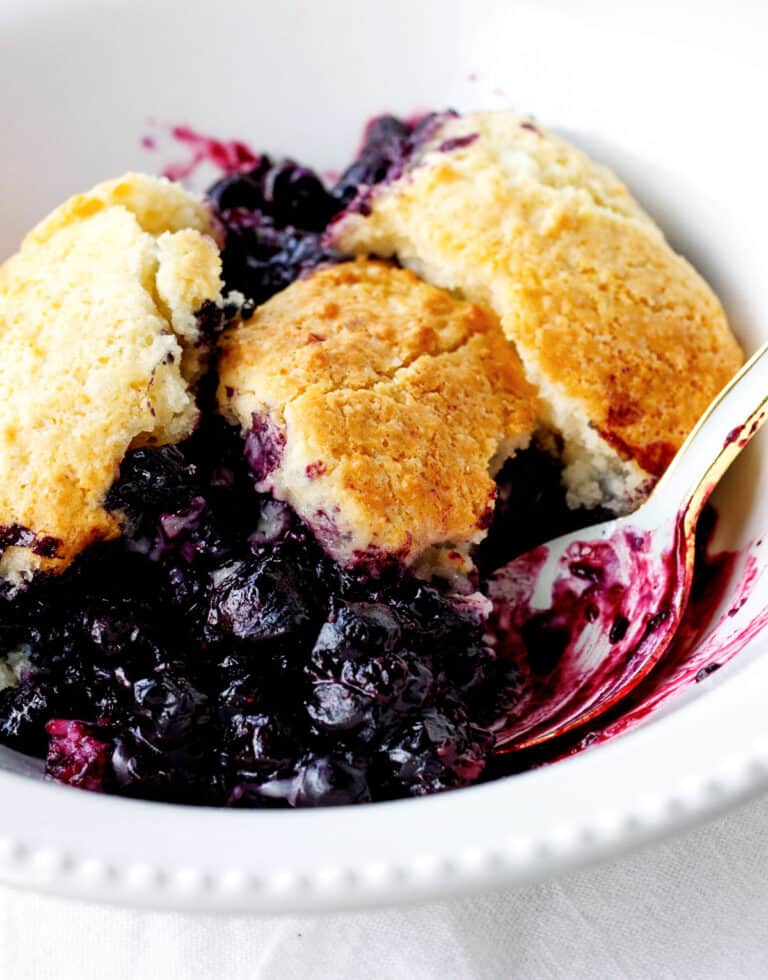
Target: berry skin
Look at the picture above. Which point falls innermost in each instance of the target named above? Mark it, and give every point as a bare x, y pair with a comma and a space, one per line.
316, 780
261, 598
273, 218
151, 479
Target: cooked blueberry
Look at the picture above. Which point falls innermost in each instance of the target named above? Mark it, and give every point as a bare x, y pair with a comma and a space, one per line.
530, 508
706, 671
256, 741
213, 318
152, 479
145, 769
273, 218
335, 707
360, 627
330, 780
473, 670
187, 589
382, 679
237, 191
317, 780
15, 535
420, 683
385, 146
288, 193
193, 533
434, 752
118, 629
169, 706
427, 613
295, 196
136, 763
619, 628
24, 712
260, 598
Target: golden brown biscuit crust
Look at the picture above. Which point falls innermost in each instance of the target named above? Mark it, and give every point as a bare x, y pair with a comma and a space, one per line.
157, 204
393, 399
619, 332
96, 356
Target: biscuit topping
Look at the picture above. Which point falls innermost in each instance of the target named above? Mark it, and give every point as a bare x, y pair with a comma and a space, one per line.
97, 355
378, 407
625, 341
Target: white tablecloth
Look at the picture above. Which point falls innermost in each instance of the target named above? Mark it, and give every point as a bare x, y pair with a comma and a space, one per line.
694, 907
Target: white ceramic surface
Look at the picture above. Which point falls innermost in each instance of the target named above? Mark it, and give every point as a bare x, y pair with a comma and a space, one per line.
678, 116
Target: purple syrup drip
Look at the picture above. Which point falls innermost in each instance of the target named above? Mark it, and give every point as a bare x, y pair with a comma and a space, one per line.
388, 146
228, 156
457, 143
16, 535
705, 641
706, 671
737, 434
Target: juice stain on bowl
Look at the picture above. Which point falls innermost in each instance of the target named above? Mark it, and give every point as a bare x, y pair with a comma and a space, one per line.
226, 156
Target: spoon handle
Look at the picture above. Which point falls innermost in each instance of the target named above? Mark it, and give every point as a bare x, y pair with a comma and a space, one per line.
726, 427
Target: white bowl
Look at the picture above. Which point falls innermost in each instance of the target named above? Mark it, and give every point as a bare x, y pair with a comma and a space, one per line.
680, 123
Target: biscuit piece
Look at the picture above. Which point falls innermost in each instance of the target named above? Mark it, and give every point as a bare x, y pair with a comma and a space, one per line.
378, 407
97, 355
624, 340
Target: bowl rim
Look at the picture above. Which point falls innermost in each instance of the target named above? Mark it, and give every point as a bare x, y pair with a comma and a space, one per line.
68, 842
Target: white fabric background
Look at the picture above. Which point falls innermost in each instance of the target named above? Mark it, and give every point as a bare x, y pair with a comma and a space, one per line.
694, 907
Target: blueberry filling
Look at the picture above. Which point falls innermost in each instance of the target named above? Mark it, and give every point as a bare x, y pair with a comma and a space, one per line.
388, 145
213, 654
530, 509
272, 218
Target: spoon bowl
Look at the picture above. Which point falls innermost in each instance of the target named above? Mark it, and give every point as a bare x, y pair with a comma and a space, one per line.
585, 618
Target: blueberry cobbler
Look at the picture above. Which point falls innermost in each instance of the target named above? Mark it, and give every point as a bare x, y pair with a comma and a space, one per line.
261, 450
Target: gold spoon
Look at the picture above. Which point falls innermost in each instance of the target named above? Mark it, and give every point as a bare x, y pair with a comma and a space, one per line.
585, 617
